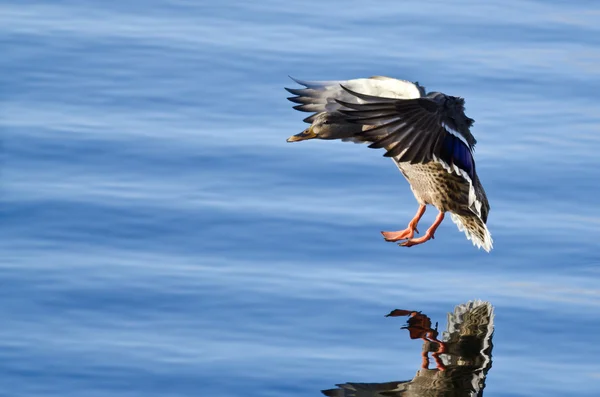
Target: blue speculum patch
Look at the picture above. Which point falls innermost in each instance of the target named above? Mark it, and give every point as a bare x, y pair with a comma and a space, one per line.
455, 151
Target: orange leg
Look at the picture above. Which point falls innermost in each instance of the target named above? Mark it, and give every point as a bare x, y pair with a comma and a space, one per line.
425, 360
428, 235
441, 345
409, 232
439, 364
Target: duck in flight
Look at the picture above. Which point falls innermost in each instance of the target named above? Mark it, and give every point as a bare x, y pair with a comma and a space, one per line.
427, 135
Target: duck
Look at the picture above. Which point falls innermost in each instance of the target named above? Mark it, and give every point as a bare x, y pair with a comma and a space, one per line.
426, 134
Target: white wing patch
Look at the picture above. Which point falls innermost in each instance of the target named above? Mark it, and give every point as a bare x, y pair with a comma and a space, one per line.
385, 88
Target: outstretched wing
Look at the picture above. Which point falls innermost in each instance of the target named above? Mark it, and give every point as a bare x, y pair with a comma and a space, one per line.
322, 96
415, 130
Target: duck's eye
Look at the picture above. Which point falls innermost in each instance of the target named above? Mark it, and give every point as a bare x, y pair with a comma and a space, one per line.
326, 122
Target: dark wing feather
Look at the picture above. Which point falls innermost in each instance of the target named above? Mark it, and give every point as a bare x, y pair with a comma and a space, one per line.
482, 198
310, 99
414, 130
321, 96
316, 97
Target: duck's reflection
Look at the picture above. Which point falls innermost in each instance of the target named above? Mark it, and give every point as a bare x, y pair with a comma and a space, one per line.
462, 359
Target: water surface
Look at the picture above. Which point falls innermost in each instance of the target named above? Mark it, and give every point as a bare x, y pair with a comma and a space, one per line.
160, 237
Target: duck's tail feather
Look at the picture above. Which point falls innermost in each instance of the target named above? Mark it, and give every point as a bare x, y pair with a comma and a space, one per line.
475, 230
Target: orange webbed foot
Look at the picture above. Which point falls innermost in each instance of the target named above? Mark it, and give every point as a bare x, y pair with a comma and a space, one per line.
428, 235
407, 233
416, 241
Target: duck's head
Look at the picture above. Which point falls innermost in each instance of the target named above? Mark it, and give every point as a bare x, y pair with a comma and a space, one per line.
327, 126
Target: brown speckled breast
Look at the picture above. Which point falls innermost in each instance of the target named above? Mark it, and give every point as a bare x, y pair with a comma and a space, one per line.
432, 184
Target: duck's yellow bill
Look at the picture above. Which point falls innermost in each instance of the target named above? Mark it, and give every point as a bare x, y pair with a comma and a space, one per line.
304, 135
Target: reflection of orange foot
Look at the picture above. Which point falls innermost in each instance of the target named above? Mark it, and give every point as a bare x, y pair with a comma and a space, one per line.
442, 347
439, 364
407, 233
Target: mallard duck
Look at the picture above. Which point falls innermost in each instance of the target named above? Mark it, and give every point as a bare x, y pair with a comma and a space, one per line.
426, 134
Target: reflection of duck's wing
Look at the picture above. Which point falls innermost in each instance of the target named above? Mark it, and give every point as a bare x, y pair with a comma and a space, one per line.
367, 389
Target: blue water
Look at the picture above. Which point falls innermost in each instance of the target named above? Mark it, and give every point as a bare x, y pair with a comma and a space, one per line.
160, 238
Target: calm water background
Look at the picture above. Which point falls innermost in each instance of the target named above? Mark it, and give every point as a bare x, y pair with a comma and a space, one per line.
160, 238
